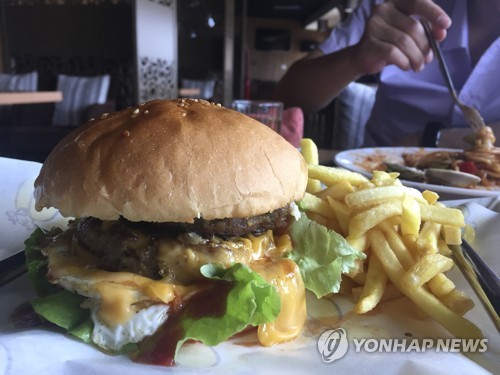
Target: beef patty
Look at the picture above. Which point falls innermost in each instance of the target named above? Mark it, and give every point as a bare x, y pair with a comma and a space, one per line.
139, 247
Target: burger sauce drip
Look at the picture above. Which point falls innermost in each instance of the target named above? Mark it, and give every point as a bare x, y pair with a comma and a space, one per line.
159, 348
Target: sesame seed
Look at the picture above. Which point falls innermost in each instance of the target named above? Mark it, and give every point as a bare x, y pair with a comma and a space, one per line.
104, 115
146, 112
126, 133
136, 111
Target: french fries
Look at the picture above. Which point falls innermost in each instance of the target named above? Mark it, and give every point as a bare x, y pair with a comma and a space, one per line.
406, 235
331, 175
374, 287
317, 205
425, 269
430, 304
370, 197
310, 152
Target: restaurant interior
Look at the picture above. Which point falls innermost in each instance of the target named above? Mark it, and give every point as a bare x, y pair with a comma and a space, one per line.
66, 61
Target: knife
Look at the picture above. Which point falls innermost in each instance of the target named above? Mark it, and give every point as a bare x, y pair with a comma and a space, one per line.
12, 267
482, 278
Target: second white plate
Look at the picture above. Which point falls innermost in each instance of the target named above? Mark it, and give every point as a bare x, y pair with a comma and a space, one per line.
360, 160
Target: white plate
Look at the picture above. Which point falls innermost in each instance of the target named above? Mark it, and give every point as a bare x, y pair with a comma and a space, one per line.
18, 217
355, 160
40, 351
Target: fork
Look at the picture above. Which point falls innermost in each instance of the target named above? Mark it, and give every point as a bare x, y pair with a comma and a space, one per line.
472, 115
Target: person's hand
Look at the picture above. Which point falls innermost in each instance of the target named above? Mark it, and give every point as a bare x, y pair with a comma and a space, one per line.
394, 36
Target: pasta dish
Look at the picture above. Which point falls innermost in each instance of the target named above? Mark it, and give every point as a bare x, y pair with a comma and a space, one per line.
482, 159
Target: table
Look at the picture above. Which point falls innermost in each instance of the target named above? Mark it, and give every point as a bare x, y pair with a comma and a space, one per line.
326, 156
189, 92
20, 349
30, 97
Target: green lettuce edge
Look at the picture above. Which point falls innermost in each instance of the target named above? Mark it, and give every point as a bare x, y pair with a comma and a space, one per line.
322, 255
252, 301
53, 303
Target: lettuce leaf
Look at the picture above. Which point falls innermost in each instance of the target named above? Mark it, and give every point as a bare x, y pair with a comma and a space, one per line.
55, 304
36, 264
63, 309
251, 301
322, 256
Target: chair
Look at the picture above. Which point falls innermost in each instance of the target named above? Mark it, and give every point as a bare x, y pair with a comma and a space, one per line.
13, 83
79, 93
341, 124
19, 82
353, 107
318, 126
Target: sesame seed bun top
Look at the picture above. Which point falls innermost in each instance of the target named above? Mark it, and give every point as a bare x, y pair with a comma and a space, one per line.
171, 161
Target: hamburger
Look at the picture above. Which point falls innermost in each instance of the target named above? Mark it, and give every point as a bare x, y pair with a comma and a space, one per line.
182, 210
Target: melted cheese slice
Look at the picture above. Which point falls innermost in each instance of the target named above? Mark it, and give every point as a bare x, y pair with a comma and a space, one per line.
180, 259
284, 274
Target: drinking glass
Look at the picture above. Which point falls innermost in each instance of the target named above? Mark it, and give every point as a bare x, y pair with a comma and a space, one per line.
269, 113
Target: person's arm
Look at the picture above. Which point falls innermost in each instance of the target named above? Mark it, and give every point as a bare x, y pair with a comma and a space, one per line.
392, 36
313, 82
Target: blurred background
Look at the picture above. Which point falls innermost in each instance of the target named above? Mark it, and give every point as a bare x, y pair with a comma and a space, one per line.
106, 55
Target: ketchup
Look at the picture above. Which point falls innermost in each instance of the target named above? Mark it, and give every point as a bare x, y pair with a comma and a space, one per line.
159, 348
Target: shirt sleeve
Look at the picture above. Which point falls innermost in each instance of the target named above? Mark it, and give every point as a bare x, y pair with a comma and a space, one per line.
349, 32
